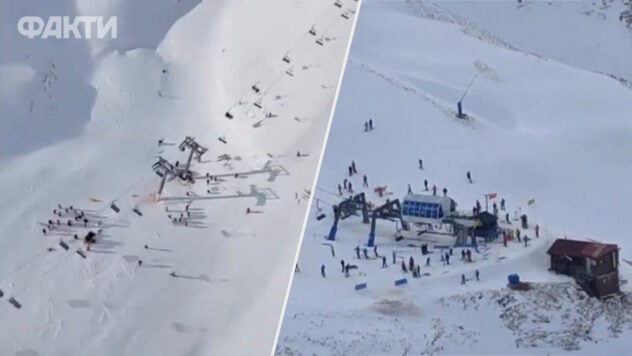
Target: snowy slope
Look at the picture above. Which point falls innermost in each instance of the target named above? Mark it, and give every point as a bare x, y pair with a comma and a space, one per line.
79, 125
566, 31
540, 128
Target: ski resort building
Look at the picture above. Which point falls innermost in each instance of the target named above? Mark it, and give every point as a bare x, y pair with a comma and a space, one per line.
427, 209
593, 265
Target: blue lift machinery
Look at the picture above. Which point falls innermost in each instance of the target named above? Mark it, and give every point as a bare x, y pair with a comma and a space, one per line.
392, 210
347, 208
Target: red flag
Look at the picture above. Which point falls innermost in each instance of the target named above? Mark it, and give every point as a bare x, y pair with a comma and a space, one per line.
491, 196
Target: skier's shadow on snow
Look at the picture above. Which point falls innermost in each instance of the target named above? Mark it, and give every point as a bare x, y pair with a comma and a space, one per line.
92, 250
200, 277
159, 249
155, 265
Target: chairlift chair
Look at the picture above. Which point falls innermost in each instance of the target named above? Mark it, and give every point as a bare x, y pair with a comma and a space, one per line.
115, 207
258, 104
64, 245
312, 31
286, 58
345, 14
229, 115
15, 303
290, 72
320, 41
338, 3
255, 88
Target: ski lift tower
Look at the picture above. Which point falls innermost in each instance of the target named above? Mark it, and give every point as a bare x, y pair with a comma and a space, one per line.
459, 104
197, 150
164, 170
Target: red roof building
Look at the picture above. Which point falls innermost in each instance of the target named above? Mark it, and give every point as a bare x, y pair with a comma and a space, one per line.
594, 265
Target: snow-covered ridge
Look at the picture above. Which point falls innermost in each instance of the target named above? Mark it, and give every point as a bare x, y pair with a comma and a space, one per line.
593, 29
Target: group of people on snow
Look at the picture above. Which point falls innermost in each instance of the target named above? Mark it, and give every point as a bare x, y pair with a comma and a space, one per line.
347, 186
75, 217
368, 125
